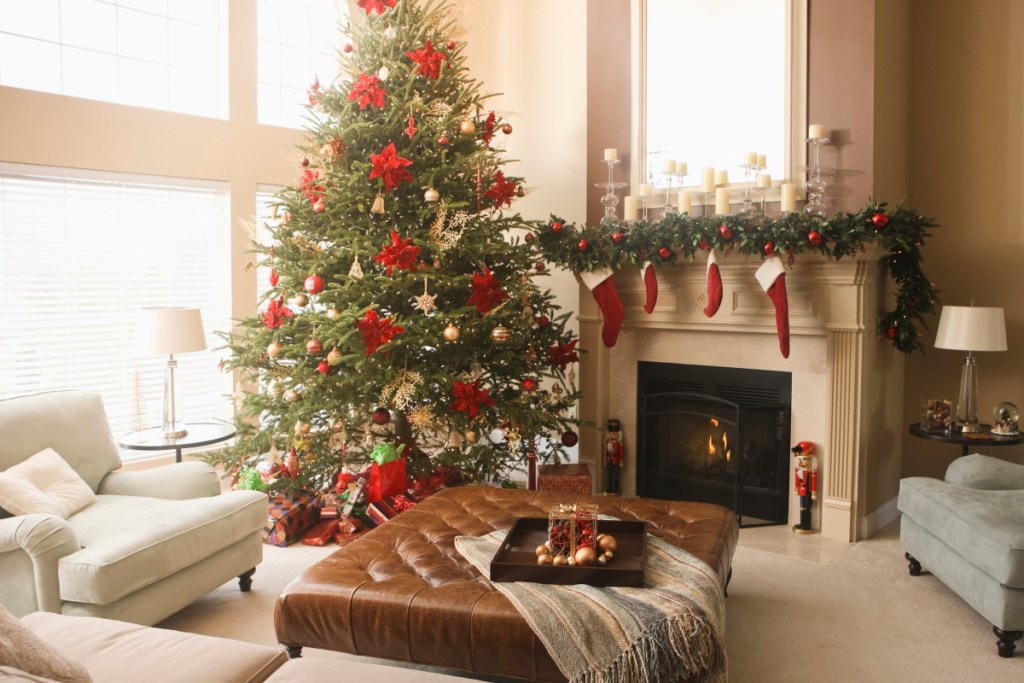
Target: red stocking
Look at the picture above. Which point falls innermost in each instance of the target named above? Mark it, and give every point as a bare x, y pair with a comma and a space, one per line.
772, 277
650, 285
714, 286
602, 286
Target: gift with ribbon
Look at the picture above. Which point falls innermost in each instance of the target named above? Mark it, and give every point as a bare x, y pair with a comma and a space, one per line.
388, 474
571, 526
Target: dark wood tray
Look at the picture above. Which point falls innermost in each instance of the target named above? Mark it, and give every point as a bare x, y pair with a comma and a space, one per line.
516, 559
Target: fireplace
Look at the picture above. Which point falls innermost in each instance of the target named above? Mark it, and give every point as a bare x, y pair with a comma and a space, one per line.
717, 435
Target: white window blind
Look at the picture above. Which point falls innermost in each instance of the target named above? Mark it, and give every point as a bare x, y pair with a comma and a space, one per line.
80, 252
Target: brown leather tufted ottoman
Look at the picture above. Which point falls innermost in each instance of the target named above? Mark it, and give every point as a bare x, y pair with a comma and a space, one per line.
403, 592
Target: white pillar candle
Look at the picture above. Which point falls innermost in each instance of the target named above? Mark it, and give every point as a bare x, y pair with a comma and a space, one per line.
764, 180
722, 201
670, 166
645, 190
762, 161
709, 179
681, 167
611, 154
788, 204
629, 208
683, 202
815, 131
721, 177
750, 159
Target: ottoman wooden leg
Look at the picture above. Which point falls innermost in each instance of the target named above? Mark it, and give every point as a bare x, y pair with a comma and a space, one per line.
245, 580
915, 566
294, 651
1006, 644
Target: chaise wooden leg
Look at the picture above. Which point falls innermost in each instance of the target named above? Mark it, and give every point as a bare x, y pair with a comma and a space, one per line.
728, 579
245, 580
1006, 644
915, 566
294, 651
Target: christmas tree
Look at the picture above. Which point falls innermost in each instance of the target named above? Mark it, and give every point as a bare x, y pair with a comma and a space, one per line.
403, 304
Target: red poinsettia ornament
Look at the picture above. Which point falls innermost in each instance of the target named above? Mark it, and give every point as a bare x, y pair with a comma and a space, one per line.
469, 397
487, 291
391, 167
307, 184
502, 191
378, 6
376, 330
368, 92
488, 133
399, 254
276, 312
562, 354
428, 59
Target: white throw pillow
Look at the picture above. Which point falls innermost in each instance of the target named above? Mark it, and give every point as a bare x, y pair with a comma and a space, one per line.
44, 483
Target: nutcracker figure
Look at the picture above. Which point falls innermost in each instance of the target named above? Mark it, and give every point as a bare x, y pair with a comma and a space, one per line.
805, 482
613, 457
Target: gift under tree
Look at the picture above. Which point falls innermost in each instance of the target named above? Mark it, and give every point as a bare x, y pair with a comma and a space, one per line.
401, 304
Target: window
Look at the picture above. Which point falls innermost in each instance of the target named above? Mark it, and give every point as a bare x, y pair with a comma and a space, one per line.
298, 41
266, 214
80, 252
161, 54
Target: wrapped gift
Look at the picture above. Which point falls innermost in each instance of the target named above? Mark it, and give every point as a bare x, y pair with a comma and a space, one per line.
321, 533
573, 478
345, 537
571, 527
388, 473
290, 516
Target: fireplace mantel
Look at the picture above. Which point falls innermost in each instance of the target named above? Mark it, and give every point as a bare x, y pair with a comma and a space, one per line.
847, 382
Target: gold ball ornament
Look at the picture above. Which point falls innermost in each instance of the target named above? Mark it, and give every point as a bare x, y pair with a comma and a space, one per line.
467, 127
585, 557
301, 428
559, 560
471, 436
273, 348
545, 560
291, 395
300, 299
334, 357
607, 542
451, 333
500, 334
431, 195
333, 313
542, 549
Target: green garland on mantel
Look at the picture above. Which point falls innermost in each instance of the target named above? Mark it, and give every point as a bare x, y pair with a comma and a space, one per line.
900, 232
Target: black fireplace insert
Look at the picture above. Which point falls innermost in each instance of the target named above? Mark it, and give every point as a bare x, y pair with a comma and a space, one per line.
718, 435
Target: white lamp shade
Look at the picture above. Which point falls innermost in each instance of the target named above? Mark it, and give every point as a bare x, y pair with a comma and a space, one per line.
169, 330
971, 328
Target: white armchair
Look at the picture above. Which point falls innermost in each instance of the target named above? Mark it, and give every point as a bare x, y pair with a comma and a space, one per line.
146, 544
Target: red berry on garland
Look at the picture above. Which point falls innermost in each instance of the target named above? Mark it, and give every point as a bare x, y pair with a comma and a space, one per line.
570, 438
891, 332
618, 237
507, 129
381, 416
443, 141
556, 227
529, 384
880, 220
769, 248
665, 253
274, 278
583, 245
539, 265
725, 231
314, 284
543, 321
814, 237
323, 368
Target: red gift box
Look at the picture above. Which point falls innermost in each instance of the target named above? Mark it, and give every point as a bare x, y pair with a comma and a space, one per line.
321, 533
290, 516
386, 480
565, 479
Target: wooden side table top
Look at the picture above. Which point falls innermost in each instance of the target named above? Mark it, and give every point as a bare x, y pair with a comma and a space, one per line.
982, 438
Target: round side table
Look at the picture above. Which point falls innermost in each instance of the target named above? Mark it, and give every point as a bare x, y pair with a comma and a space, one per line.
982, 438
199, 434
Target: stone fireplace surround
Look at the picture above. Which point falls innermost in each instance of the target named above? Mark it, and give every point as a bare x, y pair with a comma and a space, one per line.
847, 383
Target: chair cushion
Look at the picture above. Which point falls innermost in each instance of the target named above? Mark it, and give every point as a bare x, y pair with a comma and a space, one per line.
130, 541
985, 527
44, 483
28, 653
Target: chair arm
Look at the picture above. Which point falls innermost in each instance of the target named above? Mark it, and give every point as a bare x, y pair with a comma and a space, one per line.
45, 539
978, 471
179, 481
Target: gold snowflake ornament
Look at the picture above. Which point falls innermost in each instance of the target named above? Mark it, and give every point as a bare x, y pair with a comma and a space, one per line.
425, 301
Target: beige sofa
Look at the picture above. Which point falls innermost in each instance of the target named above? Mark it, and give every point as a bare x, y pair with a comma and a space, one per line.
135, 546
82, 649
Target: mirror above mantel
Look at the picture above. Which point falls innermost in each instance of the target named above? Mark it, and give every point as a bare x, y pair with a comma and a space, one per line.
715, 81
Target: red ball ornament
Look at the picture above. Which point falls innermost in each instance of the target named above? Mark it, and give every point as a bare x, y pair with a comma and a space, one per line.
323, 368
543, 321
570, 438
314, 284
529, 384
539, 265
880, 220
556, 227
381, 416
346, 48
583, 245
618, 237
507, 129
443, 141
891, 333
452, 44
703, 245
769, 248
274, 278
314, 346
725, 231
814, 237
304, 161
319, 207
665, 253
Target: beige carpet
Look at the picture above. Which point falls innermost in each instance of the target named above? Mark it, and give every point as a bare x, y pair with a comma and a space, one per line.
860, 618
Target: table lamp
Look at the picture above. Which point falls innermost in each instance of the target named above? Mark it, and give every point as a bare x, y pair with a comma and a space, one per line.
170, 330
970, 329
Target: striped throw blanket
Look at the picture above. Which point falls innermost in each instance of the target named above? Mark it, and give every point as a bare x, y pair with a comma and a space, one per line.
672, 629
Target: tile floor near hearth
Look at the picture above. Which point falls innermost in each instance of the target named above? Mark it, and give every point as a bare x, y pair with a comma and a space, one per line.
782, 541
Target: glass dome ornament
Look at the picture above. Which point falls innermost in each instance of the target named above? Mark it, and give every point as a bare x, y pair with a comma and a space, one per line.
1005, 419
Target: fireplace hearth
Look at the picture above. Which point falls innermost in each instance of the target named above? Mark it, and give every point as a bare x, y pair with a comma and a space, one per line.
718, 435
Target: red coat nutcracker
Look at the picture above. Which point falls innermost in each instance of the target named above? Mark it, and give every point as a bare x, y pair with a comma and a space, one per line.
805, 483
613, 456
